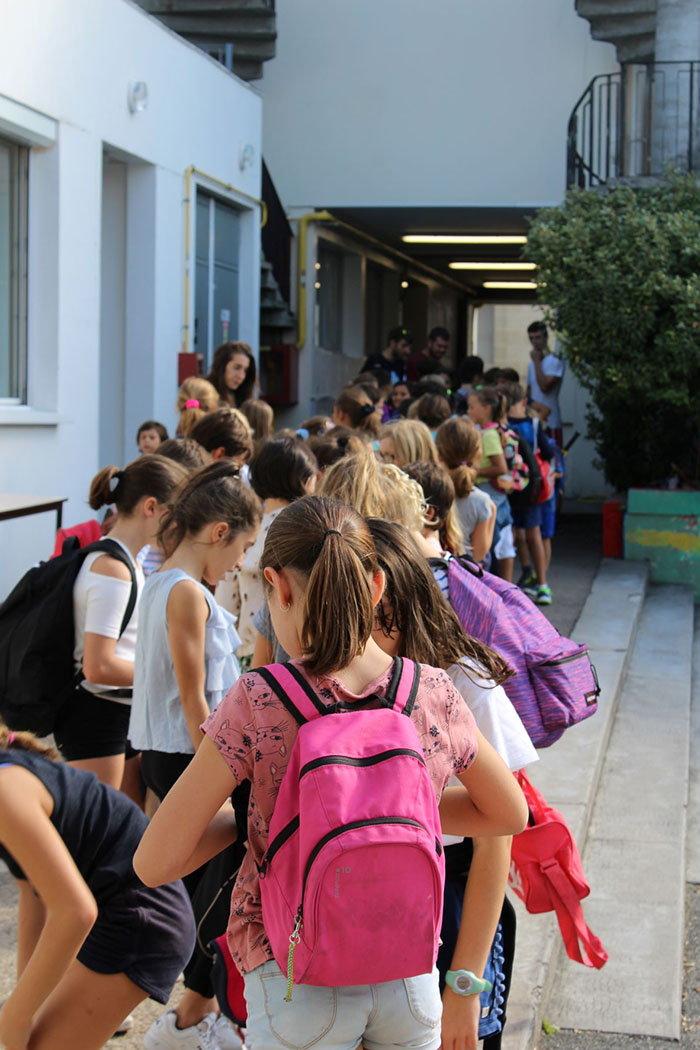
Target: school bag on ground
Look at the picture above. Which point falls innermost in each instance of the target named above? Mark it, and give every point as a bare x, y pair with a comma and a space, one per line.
547, 874
353, 876
37, 637
555, 685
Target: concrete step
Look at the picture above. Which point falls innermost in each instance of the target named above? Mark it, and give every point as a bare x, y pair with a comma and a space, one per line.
568, 775
693, 832
634, 857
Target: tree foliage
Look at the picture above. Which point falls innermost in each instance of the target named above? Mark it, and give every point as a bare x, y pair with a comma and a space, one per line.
620, 272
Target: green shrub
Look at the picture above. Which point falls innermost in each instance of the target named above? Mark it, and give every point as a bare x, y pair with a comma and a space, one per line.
620, 272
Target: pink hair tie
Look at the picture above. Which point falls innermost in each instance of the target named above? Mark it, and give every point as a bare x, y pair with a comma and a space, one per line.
11, 737
192, 402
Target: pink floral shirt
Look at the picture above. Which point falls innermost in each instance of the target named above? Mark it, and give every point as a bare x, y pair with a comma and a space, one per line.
255, 734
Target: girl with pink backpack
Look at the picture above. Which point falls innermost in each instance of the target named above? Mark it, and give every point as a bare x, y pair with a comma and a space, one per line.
336, 911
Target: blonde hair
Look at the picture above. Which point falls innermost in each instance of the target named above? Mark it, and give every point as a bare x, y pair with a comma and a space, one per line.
458, 443
260, 417
412, 440
195, 389
24, 741
376, 490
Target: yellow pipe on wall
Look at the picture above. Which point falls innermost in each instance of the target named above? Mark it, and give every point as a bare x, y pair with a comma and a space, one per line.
192, 170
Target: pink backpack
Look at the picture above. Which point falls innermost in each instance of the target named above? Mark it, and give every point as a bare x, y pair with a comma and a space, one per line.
555, 685
352, 880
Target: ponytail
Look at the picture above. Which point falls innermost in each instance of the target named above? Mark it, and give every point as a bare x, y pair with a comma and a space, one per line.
494, 399
357, 405
458, 443
330, 546
215, 493
21, 741
151, 475
196, 397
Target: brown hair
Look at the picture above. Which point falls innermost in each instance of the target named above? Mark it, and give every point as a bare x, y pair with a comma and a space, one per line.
222, 356
334, 445
22, 741
431, 409
153, 475
328, 544
195, 389
439, 493
215, 493
355, 403
281, 468
458, 443
414, 605
185, 451
494, 399
226, 429
261, 417
152, 424
317, 426
412, 441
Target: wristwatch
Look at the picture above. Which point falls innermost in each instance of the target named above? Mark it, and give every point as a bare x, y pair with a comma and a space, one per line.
464, 982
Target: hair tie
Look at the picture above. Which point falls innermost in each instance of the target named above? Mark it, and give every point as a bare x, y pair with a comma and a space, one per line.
331, 532
367, 410
192, 402
10, 738
303, 433
114, 480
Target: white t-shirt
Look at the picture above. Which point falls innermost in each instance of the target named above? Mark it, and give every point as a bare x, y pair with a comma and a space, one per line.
551, 366
99, 604
496, 718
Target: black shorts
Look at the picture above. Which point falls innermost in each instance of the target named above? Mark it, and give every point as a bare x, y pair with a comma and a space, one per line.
89, 726
147, 934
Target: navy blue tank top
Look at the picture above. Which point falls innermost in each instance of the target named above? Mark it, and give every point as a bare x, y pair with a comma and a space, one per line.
100, 826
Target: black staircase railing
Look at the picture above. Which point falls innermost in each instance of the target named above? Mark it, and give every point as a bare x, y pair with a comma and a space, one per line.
638, 122
276, 236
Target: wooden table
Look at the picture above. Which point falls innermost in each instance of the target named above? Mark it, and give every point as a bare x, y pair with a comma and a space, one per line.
21, 506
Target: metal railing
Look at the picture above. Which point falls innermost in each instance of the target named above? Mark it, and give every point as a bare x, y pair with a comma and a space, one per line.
640, 121
276, 236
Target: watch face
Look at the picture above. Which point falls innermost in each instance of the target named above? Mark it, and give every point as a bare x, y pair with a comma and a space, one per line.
463, 983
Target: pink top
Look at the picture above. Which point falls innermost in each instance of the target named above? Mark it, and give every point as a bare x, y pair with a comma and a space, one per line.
255, 734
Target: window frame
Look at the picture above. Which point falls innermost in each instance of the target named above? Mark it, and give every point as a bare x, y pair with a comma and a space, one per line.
18, 269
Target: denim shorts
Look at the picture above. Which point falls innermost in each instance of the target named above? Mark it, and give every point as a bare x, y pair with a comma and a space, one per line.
549, 516
527, 517
388, 1016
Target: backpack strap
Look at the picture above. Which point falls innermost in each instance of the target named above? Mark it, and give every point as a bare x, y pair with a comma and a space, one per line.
575, 933
293, 691
403, 687
115, 550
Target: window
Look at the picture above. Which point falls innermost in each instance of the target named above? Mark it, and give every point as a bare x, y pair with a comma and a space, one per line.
329, 298
217, 249
13, 271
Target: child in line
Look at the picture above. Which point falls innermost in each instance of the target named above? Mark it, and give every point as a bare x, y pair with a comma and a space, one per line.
261, 418
324, 583
150, 435
224, 434
442, 530
92, 940
487, 408
196, 397
527, 517
282, 470
355, 409
91, 727
406, 441
459, 447
184, 665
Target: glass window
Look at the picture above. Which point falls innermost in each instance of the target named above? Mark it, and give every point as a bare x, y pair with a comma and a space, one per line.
13, 270
217, 251
329, 298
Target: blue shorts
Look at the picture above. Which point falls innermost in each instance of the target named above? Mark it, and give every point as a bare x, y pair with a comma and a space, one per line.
527, 517
387, 1016
549, 514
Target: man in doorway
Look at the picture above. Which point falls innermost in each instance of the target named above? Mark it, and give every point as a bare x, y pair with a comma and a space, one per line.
429, 360
544, 377
394, 358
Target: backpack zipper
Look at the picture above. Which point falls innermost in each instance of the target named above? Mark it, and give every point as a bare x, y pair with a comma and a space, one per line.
370, 760
564, 659
277, 843
295, 935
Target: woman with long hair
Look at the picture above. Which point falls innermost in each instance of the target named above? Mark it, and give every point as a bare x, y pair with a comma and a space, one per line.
233, 373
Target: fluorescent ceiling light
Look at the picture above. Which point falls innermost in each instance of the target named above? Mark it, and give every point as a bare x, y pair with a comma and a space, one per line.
463, 238
529, 286
492, 266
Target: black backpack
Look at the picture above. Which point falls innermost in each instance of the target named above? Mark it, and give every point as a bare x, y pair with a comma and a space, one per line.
531, 493
37, 637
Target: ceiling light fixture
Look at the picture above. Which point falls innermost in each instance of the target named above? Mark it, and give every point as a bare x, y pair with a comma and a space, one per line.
513, 286
491, 266
463, 238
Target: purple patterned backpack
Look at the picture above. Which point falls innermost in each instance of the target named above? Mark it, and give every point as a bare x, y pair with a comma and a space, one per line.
555, 684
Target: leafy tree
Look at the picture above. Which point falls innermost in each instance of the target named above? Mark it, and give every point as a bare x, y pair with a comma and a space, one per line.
620, 272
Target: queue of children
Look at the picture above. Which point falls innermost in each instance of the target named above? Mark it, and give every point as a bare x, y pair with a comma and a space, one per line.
311, 547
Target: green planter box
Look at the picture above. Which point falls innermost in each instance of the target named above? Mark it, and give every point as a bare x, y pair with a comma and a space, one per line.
662, 527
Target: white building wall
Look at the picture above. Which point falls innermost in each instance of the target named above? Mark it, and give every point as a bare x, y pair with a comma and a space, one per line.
73, 61
425, 101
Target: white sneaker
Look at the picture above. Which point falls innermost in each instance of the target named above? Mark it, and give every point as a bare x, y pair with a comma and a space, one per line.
165, 1035
225, 1036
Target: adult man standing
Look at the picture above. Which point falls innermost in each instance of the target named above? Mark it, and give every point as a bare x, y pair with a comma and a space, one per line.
394, 358
544, 377
429, 360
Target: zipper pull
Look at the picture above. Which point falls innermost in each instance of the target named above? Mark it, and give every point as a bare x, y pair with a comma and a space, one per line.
294, 939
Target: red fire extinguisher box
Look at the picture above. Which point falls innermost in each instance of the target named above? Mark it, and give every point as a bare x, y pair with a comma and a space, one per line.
279, 374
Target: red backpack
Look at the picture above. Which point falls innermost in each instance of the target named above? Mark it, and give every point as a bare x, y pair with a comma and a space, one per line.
547, 874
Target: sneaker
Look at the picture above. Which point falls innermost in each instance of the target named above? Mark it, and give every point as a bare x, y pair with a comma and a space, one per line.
543, 595
527, 579
225, 1035
165, 1035
126, 1025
